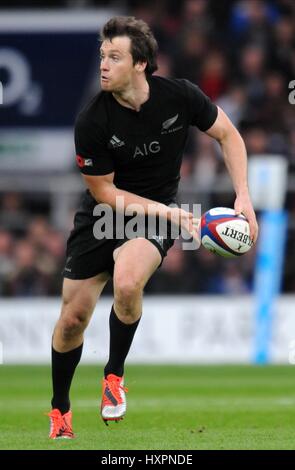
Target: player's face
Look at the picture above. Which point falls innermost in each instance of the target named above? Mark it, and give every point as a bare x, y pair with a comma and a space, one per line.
116, 67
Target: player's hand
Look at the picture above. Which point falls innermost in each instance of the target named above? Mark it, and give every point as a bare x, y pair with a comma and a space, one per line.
186, 221
243, 205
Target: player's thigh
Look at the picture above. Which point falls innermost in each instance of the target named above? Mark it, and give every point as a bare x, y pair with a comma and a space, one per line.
79, 296
135, 261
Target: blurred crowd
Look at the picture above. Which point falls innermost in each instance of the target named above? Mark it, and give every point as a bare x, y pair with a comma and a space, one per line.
31, 251
241, 53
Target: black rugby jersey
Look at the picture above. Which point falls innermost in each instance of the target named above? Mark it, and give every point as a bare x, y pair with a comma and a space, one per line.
144, 149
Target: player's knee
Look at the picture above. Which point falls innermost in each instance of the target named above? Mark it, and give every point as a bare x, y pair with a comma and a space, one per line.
72, 327
127, 290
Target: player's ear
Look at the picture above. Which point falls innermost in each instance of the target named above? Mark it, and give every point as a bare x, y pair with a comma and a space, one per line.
140, 66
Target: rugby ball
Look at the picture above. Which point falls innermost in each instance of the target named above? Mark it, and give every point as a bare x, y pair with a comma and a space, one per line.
224, 233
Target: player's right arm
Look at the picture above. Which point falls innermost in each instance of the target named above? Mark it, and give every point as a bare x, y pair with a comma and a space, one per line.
104, 191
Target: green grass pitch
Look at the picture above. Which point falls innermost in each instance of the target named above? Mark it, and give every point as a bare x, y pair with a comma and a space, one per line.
169, 407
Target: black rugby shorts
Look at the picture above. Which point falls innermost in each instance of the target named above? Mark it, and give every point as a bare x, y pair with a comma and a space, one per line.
86, 256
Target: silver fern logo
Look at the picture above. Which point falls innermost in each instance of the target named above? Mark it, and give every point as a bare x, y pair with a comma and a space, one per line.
169, 122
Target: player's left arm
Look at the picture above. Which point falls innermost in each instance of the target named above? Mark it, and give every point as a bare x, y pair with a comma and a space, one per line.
235, 157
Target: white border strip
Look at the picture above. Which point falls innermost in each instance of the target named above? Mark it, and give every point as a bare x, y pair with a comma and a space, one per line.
47, 20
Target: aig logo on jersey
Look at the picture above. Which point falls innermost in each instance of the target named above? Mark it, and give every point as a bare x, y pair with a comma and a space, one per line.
146, 149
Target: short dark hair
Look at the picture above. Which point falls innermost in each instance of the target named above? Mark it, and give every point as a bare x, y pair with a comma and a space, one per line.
144, 46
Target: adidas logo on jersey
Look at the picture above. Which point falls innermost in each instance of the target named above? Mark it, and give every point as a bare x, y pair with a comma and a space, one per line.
115, 142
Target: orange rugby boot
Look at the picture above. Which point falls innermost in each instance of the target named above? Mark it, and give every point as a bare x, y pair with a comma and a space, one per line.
113, 403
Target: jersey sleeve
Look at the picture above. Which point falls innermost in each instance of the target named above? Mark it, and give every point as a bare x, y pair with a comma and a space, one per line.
202, 111
92, 155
